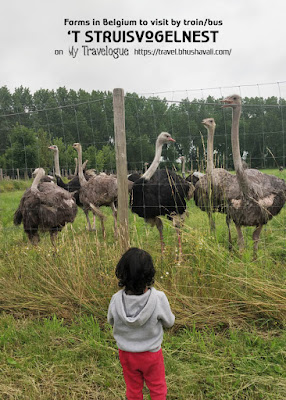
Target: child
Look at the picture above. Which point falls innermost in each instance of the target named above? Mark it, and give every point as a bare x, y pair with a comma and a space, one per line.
138, 313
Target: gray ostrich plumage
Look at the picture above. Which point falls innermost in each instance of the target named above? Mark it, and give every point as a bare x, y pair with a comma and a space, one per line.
256, 197
73, 185
99, 190
44, 206
211, 190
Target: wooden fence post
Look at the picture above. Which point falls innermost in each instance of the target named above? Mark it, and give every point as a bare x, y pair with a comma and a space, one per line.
121, 165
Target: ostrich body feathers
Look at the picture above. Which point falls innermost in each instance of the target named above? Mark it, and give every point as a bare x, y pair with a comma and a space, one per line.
48, 208
164, 194
267, 196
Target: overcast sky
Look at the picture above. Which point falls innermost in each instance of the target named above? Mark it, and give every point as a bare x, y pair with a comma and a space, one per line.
254, 31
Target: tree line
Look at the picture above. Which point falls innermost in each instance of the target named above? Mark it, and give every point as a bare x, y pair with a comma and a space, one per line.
29, 123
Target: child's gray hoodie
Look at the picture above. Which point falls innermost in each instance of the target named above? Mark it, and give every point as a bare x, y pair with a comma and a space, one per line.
138, 320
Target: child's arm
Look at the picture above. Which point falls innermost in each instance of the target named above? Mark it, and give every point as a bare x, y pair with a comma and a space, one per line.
165, 314
110, 318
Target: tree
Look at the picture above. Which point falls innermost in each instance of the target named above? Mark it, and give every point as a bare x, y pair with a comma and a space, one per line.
22, 152
6, 108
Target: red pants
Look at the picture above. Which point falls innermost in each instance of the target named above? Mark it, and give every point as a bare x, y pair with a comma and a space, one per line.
140, 367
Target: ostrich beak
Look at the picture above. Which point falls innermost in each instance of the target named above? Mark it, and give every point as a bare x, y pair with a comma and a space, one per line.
50, 147
227, 103
171, 139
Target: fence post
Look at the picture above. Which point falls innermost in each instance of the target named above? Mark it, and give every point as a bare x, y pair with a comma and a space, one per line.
1, 174
121, 165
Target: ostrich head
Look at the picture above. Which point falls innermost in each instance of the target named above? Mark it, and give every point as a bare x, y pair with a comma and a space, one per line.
209, 123
165, 137
76, 146
232, 101
38, 172
53, 147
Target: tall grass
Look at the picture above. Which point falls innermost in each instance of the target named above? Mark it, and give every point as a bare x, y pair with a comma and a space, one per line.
210, 286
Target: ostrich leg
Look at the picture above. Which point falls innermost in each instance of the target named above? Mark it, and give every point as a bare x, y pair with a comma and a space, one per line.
178, 230
93, 225
33, 237
96, 212
211, 221
229, 233
159, 225
255, 237
178, 221
88, 221
53, 236
102, 227
240, 239
114, 212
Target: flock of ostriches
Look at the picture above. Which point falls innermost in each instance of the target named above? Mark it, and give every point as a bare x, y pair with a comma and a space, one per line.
249, 198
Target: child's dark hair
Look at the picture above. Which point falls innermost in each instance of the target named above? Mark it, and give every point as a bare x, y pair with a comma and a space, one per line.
135, 271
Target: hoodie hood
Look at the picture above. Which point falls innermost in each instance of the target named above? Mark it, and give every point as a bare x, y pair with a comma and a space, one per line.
136, 310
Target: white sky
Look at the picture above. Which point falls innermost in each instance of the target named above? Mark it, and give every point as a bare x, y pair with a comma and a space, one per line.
255, 30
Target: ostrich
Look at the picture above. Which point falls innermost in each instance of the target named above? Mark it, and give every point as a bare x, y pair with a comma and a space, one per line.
45, 206
256, 197
73, 185
161, 192
99, 190
210, 190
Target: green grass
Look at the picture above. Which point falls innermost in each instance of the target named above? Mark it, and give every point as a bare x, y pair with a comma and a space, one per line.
49, 359
228, 341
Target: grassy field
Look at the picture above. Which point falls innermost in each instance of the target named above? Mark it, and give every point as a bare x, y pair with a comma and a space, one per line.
229, 337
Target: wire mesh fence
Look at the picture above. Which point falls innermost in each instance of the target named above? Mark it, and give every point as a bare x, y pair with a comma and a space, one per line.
209, 286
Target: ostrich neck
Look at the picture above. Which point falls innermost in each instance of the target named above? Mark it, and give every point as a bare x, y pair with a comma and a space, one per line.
183, 167
241, 177
75, 171
57, 163
155, 163
210, 150
36, 181
81, 177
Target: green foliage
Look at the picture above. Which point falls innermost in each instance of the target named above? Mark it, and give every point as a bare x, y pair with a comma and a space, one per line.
23, 148
28, 149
